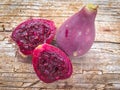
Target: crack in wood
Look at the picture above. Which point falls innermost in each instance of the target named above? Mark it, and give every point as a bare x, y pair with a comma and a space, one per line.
3, 27
3, 39
34, 83
107, 42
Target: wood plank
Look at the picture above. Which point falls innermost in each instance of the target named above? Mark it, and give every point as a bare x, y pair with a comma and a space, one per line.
99, 69
100, 56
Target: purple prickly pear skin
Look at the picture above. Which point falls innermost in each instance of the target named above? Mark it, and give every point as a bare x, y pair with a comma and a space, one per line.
76, 35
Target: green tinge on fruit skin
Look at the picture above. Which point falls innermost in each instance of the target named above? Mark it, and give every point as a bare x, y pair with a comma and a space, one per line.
76, 35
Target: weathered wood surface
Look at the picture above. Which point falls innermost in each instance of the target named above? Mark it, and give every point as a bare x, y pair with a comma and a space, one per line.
99, 69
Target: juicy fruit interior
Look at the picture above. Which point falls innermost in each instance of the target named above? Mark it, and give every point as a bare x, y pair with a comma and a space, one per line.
51, 65
31, 33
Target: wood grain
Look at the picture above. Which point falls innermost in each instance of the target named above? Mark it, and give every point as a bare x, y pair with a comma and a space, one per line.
99, 69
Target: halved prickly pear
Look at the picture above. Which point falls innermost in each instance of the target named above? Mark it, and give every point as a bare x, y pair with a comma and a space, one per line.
50, 63
76, 35
30, 33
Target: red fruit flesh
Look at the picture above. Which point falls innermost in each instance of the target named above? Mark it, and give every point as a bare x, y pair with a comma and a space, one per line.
51, 64
76, 35
33, 32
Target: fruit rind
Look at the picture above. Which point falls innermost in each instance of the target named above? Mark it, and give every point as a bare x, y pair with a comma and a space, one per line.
77, 34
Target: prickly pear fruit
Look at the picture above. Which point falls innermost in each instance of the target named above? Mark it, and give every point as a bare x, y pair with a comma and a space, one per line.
50, 63
76, 35
30, 33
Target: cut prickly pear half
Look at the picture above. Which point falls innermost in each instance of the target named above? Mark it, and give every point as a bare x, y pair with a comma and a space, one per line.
50, 63
30, 33
76, 35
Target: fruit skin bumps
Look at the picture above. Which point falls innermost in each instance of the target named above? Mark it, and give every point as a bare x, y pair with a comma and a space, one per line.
30, 33
50, 63
76, 35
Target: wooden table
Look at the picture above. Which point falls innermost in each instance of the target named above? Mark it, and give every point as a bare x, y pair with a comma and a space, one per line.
99, 69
